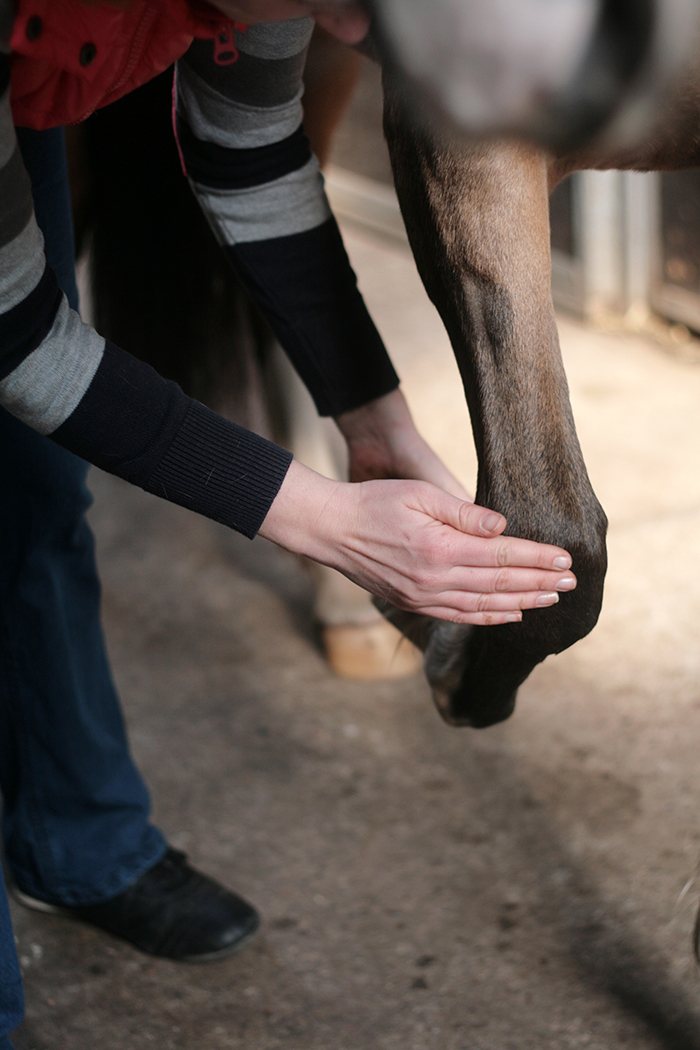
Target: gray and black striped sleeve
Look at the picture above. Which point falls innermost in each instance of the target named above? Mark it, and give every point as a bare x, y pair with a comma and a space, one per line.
251, 167
61, 378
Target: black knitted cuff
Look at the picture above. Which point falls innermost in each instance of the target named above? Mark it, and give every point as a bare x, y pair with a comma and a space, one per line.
221, 470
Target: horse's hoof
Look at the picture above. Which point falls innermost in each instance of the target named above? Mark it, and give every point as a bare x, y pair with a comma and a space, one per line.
474, 683
473, 676
371, 652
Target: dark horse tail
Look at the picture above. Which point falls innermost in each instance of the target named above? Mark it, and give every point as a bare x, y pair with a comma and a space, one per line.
160, 286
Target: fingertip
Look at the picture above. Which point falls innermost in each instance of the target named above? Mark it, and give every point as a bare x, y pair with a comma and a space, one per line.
493, 523
562, 561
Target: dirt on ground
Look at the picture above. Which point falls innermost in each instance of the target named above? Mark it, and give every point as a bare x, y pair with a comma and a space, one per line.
527, 887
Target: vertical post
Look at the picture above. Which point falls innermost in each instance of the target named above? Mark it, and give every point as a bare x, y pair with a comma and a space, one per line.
602, 242
638, 193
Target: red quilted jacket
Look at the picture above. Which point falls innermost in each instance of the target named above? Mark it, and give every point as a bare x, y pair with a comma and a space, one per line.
70, 58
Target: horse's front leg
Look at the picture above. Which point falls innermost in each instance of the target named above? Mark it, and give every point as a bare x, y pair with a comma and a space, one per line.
477, 218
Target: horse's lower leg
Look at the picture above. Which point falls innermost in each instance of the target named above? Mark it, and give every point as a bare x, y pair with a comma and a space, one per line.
477, 219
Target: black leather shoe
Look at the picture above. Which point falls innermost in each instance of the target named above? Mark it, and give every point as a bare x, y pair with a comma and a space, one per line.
172, 911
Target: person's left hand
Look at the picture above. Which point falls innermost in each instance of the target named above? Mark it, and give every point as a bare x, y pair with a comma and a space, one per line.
383, 442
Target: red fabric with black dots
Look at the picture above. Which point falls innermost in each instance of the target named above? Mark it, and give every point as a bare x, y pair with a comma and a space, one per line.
69, 58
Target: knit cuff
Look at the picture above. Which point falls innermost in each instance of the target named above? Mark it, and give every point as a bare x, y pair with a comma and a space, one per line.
221, 470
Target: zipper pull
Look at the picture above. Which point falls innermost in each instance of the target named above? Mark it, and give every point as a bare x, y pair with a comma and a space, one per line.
225, 50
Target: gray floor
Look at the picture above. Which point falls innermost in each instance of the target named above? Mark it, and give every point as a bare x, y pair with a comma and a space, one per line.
424, 888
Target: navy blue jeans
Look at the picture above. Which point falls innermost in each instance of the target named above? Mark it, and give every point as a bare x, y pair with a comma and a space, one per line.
76, 811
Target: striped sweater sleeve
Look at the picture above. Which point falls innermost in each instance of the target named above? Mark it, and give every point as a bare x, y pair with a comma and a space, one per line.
250, 165
61, 378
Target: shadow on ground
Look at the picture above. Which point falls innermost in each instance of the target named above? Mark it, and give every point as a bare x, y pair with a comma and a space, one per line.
422, 887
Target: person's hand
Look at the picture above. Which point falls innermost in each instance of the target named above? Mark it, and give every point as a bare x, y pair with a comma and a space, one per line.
418, 547
383, 442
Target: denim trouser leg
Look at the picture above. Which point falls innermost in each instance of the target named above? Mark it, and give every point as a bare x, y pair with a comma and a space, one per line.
75, 819
11, 997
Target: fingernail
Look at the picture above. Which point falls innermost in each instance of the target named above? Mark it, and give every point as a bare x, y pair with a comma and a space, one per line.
513, 618
567, 584
548, 599
491, 522
562, 562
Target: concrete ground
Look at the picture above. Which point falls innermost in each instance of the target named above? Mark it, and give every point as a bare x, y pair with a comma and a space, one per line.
527, 887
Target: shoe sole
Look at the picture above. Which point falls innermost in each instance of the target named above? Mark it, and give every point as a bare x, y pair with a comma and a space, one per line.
35, 904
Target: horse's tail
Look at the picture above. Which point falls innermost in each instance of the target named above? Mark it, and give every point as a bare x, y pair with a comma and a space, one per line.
160, 286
